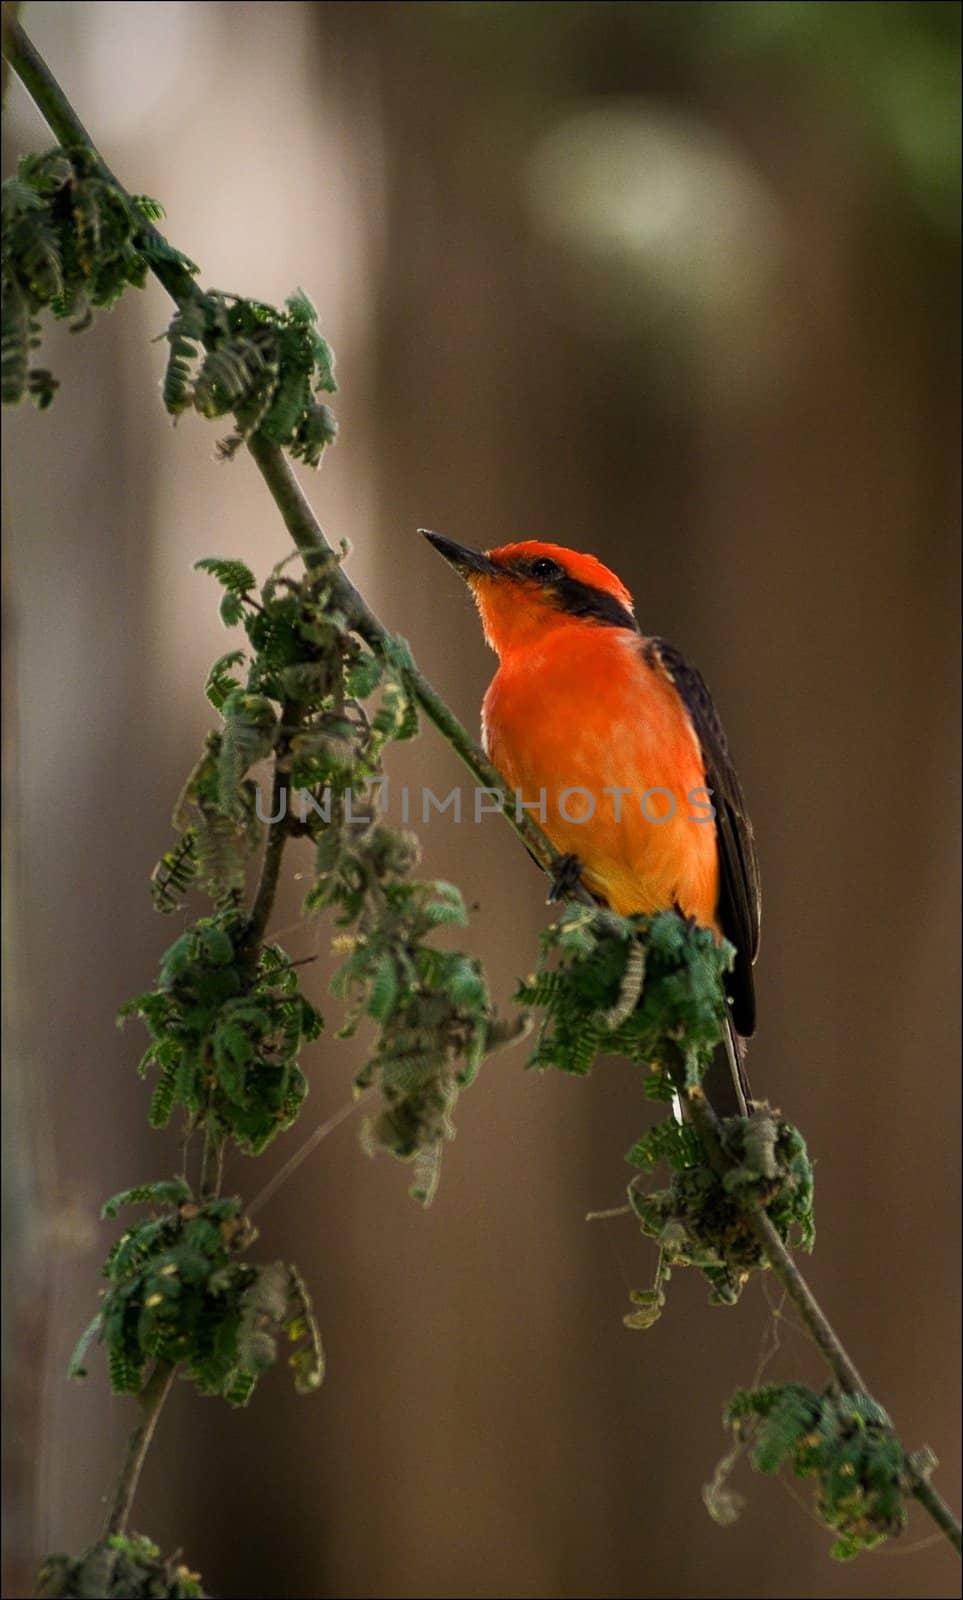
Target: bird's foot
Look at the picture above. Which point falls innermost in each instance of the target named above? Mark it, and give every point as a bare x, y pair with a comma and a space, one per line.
566, 875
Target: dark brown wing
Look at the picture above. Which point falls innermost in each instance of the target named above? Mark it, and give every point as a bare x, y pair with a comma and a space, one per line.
739, 899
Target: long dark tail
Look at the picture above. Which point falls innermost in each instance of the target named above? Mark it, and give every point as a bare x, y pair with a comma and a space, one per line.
725, 1083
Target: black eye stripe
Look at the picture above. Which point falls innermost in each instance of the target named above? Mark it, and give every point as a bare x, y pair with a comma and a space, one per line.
584, 600
578, 599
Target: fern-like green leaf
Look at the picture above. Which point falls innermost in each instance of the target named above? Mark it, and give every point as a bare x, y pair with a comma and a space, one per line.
76, 1367
177, 389
220, 683
233, 372
162, 1099
307, 1361
174, 873
164, 1192
15, 336
149, 208
125, 1375
234, 576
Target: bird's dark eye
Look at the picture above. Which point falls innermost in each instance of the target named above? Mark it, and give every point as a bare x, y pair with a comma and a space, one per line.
546, 570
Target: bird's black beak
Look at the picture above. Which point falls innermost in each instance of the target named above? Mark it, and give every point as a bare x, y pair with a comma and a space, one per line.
462, 559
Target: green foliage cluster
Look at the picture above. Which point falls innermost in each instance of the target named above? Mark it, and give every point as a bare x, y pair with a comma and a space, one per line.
180, 1292
226, 1036
289, 705
845, 1441
73, 241
649, 989
295, 694
71, 244
267, 367
431, 1006
645, 988
121, 1568
702, 1218
298, 694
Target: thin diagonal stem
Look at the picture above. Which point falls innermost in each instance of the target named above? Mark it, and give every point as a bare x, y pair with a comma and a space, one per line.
151, 1401
823, 1334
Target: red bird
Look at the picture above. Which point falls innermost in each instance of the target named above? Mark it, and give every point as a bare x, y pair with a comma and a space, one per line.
613, 742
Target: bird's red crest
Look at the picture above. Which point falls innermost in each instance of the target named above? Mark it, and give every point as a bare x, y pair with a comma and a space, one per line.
577, 564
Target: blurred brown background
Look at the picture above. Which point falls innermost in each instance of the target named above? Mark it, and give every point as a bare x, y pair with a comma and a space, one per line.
672, 283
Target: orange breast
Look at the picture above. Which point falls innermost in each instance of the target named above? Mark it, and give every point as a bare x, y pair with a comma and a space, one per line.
575, 719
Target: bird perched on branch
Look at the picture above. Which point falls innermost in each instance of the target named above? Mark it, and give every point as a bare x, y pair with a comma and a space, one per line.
611, 741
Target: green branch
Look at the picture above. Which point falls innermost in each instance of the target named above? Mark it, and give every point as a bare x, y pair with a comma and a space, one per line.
151, 1401
11, 14
823, 1335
